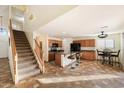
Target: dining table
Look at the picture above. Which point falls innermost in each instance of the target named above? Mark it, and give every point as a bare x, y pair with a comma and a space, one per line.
107, 54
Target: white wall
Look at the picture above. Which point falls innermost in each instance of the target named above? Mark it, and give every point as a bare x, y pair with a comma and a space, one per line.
117, 40
122, 49
116, 37
66, 44
17, 25
29, 36
4, 44
17, 17
3, 47
54, 38
43, 38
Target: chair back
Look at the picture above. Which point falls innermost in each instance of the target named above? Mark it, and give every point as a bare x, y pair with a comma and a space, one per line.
98, 52
118, 52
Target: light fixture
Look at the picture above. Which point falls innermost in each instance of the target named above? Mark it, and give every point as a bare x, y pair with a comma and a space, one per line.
102, 35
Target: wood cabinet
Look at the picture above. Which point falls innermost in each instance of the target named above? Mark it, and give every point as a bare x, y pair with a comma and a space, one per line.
51, 41
77, 41
58, 59
86, 42
83, 43
88, 55
92, 43
60, 43
51, 56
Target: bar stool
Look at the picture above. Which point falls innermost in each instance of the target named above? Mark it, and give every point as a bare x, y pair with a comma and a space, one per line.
72, 57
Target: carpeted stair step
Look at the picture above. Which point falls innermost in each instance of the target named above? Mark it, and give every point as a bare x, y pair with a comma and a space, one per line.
27, 69
26, 64
22, 45
20, 42
27, 58
25, 54
24, 51
21, 48
29, 74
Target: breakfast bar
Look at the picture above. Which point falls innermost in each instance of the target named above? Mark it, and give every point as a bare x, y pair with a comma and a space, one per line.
64, 59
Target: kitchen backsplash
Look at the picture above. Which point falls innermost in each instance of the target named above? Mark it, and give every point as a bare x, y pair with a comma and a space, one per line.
58, 48
88, 48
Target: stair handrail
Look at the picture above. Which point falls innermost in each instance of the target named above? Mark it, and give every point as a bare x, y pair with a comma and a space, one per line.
39, 55
14, 52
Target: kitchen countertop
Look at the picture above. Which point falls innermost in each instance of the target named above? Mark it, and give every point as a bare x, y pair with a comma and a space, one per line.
88, 50
66, 53
62, 52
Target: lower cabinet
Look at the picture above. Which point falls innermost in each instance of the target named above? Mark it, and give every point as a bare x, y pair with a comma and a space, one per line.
51, 56
88, 55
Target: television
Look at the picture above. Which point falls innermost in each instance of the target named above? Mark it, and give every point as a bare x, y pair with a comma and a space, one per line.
75, 47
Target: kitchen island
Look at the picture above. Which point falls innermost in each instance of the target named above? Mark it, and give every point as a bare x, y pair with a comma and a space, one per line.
64, 59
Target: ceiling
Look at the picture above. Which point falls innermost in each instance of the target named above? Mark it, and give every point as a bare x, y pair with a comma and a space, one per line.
17, 14
3, 7
86, 20
37, 16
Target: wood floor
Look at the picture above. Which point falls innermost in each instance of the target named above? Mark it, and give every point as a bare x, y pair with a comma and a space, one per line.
89, 74
5, 75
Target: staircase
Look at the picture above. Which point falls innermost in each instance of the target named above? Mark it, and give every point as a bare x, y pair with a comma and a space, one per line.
27, 63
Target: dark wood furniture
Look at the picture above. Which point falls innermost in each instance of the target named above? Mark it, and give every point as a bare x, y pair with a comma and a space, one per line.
107, 57
58, 59
86, 42
116, 58
51, 56
51, 53
88, 55
51, 41
99, 54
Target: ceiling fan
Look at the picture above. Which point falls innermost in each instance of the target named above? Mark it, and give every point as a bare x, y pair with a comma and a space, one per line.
102, 35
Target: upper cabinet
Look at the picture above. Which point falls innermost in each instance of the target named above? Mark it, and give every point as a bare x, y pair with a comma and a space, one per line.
51, 41
86, 42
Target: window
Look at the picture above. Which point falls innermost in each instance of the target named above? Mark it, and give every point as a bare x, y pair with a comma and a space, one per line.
101, 43
108, 43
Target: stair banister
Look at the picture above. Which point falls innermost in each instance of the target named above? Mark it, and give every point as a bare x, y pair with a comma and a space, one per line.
14, 54
39, 55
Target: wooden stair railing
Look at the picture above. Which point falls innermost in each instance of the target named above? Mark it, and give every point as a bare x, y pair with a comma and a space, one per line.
14, 53
39, 55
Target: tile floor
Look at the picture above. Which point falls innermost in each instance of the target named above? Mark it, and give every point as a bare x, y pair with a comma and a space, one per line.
89, 74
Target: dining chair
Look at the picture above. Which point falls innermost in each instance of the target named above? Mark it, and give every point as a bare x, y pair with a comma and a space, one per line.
107, 59
99, 55
116, 58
